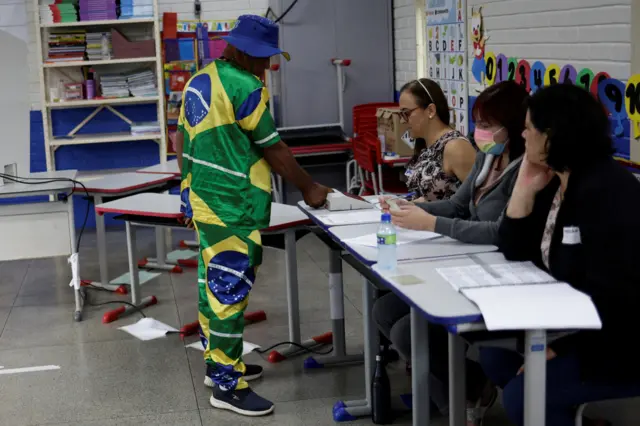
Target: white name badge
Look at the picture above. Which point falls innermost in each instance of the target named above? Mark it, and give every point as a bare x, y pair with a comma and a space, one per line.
571, 235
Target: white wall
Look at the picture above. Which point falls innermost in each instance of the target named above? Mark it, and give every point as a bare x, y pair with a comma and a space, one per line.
211, 9
585, 33
595, 34
14, 102
404, 21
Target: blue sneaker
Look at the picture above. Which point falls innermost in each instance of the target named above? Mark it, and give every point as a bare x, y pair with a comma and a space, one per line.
245, 402
252, 372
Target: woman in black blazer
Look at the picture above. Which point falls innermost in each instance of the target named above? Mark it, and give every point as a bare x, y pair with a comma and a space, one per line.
575, 212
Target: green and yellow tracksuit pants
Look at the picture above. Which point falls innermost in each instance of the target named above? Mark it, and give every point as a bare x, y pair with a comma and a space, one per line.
227, 267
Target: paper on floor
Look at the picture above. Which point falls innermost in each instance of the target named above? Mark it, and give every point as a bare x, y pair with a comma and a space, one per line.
247, 347
143, 277
148, 329
534, 306
403, 236
176, 255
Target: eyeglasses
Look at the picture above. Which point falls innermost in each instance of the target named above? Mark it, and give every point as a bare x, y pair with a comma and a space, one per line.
406, 113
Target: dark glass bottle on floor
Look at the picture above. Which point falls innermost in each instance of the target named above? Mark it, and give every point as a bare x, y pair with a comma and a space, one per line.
380, 394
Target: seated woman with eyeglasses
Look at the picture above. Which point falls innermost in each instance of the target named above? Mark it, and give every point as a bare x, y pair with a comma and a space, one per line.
574, 212
471, 215
442, 156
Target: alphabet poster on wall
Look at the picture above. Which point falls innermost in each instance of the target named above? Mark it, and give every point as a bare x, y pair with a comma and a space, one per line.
446, 55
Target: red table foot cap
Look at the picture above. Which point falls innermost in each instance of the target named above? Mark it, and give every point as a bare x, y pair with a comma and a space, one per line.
122, 289
142, 262
183, 244
176, 270
275, 357
189, 329
256, 316
111, 316
325, 339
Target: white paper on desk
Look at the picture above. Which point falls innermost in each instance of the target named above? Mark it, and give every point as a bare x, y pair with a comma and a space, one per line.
352, 217
403, 236
247, 347
534, 306
148, 329
501, 274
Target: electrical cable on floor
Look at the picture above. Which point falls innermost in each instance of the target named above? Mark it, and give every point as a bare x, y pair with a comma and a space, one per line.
297, 345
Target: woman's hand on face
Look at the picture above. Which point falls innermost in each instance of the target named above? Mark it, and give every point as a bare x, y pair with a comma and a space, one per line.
532, 178
410, 216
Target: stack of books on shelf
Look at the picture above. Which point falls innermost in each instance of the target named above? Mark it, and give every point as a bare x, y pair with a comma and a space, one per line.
130, 9
145, 128
66, 47
114, 86
142, 83
58, 11
99, 45
98, 10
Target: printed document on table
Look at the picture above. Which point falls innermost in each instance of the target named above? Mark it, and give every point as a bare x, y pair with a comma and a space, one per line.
501, 274
351, 217
403, 236
538, 306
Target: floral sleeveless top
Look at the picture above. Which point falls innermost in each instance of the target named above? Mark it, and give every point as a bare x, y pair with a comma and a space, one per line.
426, 176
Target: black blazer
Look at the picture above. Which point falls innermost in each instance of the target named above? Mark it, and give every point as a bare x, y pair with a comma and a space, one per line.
604, 203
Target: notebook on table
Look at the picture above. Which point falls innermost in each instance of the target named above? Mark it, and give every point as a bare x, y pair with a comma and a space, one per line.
520, 296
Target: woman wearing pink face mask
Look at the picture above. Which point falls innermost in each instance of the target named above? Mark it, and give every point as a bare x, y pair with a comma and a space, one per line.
472, 215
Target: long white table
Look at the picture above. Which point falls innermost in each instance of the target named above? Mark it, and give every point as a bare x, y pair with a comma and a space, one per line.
116, 186
40, 229
434, 300
142, 209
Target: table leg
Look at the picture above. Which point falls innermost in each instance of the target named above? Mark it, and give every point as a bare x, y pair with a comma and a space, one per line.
535, 361
160, 261
336, 302
350, 410
101, 238
457, 383
79, 302
137, 303
291, 265
419, 369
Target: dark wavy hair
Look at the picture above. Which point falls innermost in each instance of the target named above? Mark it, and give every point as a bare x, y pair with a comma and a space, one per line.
504, 104
423, 100
576, 124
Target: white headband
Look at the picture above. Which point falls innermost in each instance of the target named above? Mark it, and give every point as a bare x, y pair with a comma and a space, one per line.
425, 89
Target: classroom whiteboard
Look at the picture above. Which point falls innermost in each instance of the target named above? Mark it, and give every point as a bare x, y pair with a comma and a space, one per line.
14, 102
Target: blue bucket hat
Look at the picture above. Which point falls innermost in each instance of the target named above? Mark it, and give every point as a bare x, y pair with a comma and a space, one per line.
256, 36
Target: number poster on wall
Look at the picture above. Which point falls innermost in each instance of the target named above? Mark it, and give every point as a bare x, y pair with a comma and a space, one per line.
446, 55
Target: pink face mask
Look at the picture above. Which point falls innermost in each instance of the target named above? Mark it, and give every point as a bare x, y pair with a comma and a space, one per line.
484, 140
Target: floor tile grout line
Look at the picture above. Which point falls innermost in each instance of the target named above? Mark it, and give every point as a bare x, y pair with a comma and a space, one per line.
24, 277
126, 418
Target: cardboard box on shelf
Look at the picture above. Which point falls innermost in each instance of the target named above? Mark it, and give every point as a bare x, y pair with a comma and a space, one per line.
391, 130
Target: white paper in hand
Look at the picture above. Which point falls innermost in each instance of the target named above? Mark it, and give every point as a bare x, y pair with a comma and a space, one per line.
148, 329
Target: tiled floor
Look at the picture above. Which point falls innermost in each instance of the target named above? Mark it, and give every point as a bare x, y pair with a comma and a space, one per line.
109, 378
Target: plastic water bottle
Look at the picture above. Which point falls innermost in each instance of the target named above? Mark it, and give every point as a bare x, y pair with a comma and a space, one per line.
387, 257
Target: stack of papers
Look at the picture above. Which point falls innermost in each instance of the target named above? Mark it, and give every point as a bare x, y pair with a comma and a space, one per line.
97, 10
403, 236
351, 217
145, 128
67, 46
519, 296
130, 9
142, 83
99, 45
58, 11
114, 86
